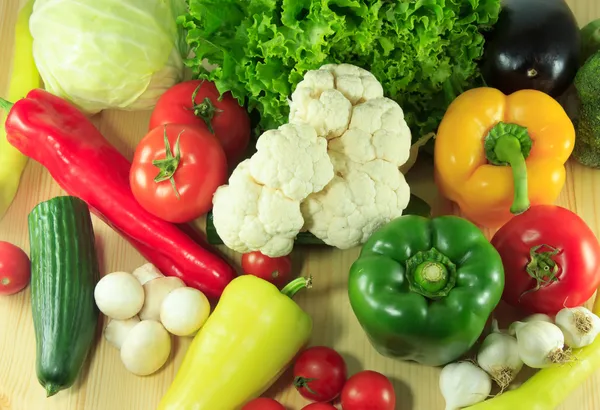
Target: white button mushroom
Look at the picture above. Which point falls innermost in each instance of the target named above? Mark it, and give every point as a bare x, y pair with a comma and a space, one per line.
184, 311
117, 330
146, 348
119, 295
146, 273
156, 290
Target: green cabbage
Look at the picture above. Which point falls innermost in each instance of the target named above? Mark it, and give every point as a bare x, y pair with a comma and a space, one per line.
108, 53
424, 52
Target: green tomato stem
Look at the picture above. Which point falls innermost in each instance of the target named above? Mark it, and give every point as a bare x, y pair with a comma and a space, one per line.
541, 267
169, 165
205, 110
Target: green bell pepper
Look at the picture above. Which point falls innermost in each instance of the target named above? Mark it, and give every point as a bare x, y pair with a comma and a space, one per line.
423, 289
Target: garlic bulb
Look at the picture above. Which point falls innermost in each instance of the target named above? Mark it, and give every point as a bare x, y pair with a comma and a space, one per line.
537, 317
540, 344
499, 357
579, 326
464, 384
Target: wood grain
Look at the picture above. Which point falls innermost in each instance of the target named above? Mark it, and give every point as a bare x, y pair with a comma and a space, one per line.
106, 385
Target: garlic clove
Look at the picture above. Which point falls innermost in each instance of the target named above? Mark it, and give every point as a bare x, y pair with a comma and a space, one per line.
579, 326
541, 344
463, 384
499, 357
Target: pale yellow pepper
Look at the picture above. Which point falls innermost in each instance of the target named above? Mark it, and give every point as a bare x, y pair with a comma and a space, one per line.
244, 346
24, 78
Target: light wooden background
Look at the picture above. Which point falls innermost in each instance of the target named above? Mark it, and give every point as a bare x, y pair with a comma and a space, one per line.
106, 385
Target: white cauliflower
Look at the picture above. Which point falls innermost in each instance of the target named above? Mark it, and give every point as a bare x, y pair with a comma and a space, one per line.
368, 140
325, 97
249, 216
292, 159
359, 200
377, 130
333, 170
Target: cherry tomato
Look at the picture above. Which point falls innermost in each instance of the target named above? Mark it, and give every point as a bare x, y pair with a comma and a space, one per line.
551, 260
15, 269
278, 271
189, 173
263, 403
368, 390
319, 374
319, 406
198, 102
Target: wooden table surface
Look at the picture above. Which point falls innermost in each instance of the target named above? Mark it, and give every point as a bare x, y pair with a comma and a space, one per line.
105, 384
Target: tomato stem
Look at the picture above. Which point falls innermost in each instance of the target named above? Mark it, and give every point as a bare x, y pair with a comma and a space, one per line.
5, 281
300, 382
296, 285
205, 110
542, 267
169, 165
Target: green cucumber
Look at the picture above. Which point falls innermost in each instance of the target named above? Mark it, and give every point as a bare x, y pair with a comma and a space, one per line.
64, 273
416, 206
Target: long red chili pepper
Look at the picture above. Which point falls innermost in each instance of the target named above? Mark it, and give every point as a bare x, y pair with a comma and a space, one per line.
54, 133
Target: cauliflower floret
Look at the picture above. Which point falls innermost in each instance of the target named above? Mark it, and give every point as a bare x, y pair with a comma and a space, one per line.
368, 141
377, 130
324, 98
250, 217
292, 159
360, 199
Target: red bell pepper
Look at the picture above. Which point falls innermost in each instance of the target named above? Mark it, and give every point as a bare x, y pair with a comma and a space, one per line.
54, 133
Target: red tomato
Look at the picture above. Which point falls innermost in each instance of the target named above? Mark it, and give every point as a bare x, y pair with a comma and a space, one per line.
319, 406
225, 117
368, 390
278, 271
263, 403
561, 252
195, 177
15, 269
319, 373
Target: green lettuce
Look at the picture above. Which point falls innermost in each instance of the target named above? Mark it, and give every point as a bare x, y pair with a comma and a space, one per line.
424, 52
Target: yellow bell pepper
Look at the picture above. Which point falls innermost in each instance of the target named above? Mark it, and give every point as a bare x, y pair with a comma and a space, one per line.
24, 78
549, 387
244, 346
495, 155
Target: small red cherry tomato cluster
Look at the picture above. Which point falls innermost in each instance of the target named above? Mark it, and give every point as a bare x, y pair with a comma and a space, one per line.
320, 375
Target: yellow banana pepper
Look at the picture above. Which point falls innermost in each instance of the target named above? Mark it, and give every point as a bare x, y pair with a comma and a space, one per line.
24, 78
551, 386
495, 155
244, 346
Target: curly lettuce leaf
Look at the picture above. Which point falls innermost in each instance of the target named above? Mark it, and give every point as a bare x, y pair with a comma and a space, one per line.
424, 52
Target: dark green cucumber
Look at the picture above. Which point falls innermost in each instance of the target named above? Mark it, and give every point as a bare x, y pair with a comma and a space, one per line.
416, 206
64, 273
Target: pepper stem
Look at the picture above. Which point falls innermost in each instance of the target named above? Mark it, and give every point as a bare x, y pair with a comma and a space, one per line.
431, 274
205, 110
510, 144
5, 105
542, 267
169, 165
296, 285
